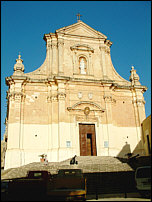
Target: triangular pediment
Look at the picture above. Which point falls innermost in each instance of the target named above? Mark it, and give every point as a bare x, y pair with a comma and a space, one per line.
81, 29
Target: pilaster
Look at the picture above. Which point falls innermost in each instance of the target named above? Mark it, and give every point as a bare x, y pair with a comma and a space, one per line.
60, 56
103, 59
54, 56
49, 57
108, 112
49, 101
55, 121
140, 102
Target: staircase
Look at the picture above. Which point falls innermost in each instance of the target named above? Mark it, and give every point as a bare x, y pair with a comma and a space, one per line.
89, 164
104, 174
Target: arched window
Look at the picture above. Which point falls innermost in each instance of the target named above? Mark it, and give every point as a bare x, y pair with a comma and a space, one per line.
83, 65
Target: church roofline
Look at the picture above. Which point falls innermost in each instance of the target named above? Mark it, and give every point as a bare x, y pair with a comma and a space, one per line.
81, 22
66, 28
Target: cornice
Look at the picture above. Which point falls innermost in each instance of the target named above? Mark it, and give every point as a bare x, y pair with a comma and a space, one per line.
12, 79
111, 83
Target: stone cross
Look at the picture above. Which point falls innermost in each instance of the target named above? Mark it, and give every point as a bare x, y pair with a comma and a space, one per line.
78, 16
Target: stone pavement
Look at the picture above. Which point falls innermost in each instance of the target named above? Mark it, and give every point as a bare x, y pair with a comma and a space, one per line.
89, 164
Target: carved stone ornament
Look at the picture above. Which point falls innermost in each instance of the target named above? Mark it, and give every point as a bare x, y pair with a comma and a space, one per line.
60, 43
139, 102
16, 95
82, 47
49, 98
86, 110
61, 96
90, 95
108, 98
74, 107
80, 95
19, 67
54, 45
54, 98
108, 43
134, 78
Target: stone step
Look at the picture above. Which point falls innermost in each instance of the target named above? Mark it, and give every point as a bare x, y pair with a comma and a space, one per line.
94, 160
88, 164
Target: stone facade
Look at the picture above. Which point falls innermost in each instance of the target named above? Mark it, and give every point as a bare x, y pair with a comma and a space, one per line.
76, 84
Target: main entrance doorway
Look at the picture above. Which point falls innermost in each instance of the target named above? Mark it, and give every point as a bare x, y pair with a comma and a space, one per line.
87, 139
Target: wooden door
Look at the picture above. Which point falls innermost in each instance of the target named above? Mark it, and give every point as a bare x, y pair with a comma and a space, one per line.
87, 140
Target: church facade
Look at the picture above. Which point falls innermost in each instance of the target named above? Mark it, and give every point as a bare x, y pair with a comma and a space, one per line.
75, 103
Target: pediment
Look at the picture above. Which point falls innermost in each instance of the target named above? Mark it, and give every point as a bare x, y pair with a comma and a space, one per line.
80, 106
81, 29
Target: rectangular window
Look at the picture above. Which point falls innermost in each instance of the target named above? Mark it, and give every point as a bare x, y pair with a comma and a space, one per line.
68, 144
106, 144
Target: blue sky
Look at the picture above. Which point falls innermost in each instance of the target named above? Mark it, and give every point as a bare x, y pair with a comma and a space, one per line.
126, 23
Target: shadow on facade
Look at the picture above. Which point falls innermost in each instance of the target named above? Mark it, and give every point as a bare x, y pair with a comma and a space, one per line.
124, 151
134, 159
139, 148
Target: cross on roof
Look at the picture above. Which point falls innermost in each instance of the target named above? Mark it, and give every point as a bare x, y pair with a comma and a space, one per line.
78, 16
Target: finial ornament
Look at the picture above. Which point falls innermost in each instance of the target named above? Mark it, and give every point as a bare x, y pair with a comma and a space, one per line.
19, 67
134, 78
78, 16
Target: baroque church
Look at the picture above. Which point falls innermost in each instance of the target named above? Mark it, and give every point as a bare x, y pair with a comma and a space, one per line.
75, 103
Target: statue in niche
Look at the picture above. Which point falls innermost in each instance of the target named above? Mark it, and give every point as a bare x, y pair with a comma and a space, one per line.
82, 66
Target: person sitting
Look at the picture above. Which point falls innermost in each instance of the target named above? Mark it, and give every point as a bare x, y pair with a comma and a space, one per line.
73, 161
